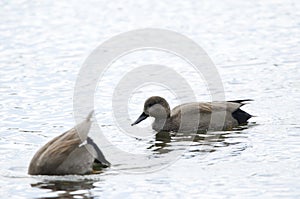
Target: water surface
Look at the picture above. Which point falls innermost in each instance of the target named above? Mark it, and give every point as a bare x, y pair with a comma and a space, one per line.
255, 46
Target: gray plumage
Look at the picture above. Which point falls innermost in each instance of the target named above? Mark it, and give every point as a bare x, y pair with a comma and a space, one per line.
68, 153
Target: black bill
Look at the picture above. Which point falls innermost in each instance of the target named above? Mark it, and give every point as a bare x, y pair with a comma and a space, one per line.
141, 118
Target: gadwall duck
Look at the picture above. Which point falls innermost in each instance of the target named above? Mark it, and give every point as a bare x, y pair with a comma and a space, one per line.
68, 154
194, 116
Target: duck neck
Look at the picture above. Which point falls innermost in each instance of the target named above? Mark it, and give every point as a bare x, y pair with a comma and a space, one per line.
162, 124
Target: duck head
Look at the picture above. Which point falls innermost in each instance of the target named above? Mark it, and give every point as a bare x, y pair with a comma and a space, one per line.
156, 107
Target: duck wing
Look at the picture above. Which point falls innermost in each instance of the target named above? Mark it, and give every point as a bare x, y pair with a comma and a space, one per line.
192, 108
209, 107
50, 156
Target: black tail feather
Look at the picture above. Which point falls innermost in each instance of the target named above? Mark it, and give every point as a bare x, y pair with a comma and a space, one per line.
241, 116
240, 101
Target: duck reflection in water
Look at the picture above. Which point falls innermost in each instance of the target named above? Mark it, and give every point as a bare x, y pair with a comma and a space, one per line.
166, 142
66, 189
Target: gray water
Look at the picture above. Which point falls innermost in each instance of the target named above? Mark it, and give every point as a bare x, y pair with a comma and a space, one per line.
254, 45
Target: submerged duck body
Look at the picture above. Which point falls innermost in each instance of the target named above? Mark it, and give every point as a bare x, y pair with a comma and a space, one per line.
68, 153
194, 116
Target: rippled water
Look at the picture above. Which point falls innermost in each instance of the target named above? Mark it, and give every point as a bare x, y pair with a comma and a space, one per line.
255, 47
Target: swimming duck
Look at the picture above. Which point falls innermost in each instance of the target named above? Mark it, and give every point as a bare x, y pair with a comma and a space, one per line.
68, 154
194, 116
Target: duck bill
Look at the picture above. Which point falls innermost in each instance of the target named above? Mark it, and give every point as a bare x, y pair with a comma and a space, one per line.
141, 118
